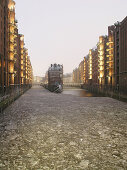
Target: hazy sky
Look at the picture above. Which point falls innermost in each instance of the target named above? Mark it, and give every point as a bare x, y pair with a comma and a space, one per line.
63, 31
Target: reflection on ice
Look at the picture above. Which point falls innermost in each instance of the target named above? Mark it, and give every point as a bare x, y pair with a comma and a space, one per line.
79, 92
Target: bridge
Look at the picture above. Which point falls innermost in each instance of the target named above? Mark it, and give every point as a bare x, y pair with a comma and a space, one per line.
43, 130
72, 84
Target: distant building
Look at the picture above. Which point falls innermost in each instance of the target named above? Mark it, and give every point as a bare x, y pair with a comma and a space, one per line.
37, 79
90, 64
84, 79
76, 75
67, 78
81, 72
86, 69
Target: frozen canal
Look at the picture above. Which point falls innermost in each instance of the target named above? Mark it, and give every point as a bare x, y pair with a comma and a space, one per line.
78, 92
46, 131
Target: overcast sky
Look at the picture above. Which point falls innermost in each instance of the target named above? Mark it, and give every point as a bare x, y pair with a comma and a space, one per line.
63, 31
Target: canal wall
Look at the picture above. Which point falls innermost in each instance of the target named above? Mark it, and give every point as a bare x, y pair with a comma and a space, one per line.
11, 95
106, 91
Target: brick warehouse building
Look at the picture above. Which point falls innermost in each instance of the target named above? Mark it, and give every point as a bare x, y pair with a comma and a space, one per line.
21, 59
12, 43
81, 70
116, 53
110, 57
111, 72
17, 64
123, 57
102, 47
93, 66
13, 62
86, 69
95, 63
4, 74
